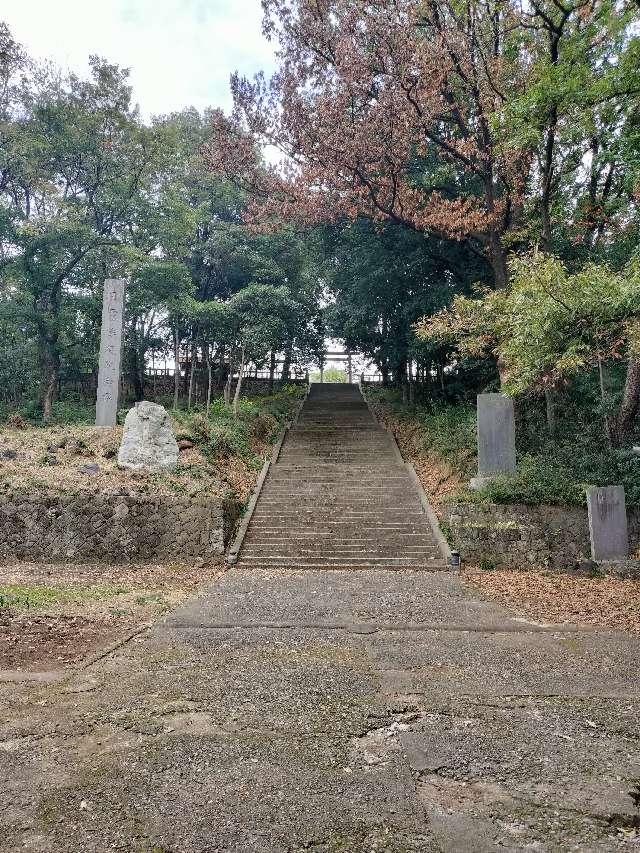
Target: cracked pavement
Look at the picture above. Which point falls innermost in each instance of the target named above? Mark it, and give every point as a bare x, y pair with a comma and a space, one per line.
284, 711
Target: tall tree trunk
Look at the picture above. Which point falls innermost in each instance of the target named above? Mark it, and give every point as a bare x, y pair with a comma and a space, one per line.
176, 372
209, 378
236, 396
185, 378
142, 373
227, 386
286, 365
609, 427
192, 370
498, 260
141, 361
272, 370
50, 389
550, 406
135, 369
135, 373
221, 367
629, 405
49, 357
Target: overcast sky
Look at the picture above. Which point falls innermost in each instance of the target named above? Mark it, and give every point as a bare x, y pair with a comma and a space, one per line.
180, 52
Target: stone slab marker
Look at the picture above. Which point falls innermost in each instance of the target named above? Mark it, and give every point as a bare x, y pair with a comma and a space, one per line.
608, 523
110, 349
496, 437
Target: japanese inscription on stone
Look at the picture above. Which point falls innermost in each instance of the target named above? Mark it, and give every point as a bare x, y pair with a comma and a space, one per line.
110, 347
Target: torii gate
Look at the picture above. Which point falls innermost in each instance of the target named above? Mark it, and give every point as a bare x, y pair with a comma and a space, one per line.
335, 355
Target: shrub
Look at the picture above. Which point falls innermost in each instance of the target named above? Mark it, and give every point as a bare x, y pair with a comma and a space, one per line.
64, 412
450, 432
220, 433
550, 471
537, 481
444, 430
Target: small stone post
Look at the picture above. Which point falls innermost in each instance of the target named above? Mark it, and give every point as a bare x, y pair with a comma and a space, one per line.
608, 523
110, 349
496, 438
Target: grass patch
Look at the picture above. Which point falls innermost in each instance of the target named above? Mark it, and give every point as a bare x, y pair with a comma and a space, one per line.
27, 597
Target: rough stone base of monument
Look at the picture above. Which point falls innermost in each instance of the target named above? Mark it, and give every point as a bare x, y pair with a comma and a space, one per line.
608, 523
148, 442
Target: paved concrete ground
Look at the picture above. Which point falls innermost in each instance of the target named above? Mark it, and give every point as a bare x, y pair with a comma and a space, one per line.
325, 712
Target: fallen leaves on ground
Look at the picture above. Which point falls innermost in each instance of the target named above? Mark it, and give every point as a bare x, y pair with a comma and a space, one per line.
79, 457
438, 478
42, 641
67, 629
544, 597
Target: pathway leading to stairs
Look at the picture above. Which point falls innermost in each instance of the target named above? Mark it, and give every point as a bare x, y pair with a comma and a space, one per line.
293, 707
339, 495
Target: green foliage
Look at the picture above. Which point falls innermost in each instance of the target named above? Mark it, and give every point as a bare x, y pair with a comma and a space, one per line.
560, 476
549, 471
383, 278
265, 314
221, 434
450, 432
538, 480
22, 597
90, 191
331, 374
549, 324
443, 430
70, 410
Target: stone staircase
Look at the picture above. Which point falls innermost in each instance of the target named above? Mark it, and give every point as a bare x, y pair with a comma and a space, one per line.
339, 495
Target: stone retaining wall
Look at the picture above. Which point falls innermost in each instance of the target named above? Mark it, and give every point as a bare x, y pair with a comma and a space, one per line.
519, 535
112, 528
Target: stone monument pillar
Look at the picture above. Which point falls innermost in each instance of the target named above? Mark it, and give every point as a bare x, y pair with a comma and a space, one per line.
496, 438
608, 523
110, 349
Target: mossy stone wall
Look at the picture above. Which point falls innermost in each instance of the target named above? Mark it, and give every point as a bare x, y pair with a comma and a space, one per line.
112, 527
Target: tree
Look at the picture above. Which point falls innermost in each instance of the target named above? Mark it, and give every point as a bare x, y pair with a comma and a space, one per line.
549, 325
443, 116
383, 277
264, 317
73, 161
329, 375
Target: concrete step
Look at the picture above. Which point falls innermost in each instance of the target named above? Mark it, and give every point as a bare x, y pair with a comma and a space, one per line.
272, 548
340, 497
338, 545
312, 480
360, 521
334, 506
342, 556
392, 468
265, 536
354, 565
